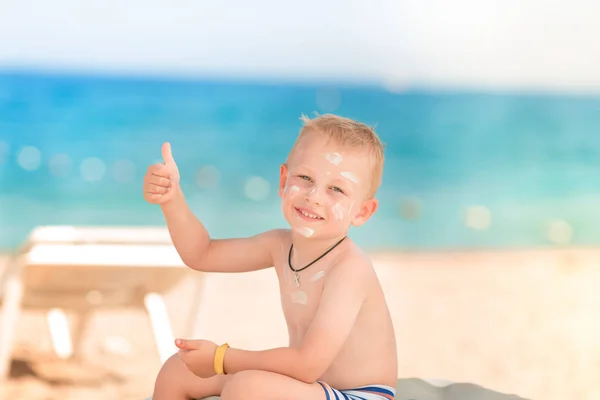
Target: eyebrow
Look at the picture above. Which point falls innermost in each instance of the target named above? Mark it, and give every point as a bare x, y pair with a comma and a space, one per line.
336, 178
341, 179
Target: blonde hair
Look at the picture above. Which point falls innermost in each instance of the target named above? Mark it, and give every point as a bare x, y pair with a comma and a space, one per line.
351, 134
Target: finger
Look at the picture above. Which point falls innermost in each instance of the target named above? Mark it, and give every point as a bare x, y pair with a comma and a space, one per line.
156, 189
167, 155
158, 170
155, 196
186, 344
183, 354
159, 181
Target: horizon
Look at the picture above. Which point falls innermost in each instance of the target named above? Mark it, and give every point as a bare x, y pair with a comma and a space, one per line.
257, 80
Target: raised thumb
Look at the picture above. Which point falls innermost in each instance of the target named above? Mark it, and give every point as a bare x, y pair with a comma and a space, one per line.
167, 155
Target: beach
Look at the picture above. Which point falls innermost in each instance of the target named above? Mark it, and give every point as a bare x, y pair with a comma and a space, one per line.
486, 235
521, 322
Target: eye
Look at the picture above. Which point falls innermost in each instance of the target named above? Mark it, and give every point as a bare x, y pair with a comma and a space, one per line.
306, 178
337, 189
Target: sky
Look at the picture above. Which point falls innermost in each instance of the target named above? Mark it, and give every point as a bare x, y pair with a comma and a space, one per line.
513, 44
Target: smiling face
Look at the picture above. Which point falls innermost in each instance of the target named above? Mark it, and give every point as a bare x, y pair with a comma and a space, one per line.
325, 188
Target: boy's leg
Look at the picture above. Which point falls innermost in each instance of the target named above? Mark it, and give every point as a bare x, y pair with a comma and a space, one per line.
263, 385
176, 382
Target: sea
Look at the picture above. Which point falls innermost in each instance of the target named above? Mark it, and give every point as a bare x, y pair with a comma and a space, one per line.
463, 170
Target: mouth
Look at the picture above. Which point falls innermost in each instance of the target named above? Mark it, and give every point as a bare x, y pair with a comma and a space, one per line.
307, 214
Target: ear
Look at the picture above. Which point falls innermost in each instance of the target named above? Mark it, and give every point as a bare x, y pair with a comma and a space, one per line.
367, 209
282, 178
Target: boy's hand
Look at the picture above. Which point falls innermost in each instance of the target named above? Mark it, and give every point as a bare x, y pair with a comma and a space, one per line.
198, 356
162, 180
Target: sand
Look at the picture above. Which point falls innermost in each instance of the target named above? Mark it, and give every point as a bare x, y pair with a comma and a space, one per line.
522, 322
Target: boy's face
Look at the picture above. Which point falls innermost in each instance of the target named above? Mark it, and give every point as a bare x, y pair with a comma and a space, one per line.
325, 188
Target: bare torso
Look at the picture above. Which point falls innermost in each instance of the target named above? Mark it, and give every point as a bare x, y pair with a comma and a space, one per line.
369, 354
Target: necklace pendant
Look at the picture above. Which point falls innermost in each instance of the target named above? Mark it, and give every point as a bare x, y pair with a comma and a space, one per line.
296, 276
296, 279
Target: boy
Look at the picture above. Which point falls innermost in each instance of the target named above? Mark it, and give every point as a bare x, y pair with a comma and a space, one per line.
341, 337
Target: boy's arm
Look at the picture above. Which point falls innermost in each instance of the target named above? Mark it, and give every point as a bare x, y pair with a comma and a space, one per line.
198, 251
341, 301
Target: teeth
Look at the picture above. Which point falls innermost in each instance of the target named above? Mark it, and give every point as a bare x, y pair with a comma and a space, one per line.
309, 215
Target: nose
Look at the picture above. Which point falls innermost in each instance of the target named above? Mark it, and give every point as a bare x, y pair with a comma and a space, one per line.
314, 195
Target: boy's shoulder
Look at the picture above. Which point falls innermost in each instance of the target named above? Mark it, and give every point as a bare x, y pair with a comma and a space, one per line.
276, 236
279, 233
355, 256
353, 265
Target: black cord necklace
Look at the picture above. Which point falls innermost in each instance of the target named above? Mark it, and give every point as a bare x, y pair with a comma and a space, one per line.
296, 276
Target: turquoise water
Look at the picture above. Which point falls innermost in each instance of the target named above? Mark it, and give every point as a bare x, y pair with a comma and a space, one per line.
73, 150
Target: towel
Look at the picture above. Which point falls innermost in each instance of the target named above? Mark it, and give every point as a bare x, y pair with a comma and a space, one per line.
432, 389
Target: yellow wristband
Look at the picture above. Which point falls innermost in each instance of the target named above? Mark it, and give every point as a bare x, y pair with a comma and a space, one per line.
220, 359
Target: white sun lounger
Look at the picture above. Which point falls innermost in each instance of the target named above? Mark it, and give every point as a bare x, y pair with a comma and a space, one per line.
80, 269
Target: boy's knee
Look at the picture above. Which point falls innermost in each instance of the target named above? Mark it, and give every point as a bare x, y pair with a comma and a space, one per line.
240, 385
175, 380
168, 381
171, 368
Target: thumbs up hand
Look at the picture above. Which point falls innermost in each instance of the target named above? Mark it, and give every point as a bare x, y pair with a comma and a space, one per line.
162, 180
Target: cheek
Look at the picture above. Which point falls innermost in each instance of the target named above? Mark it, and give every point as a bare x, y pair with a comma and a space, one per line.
338, 212
341, 211
291, 191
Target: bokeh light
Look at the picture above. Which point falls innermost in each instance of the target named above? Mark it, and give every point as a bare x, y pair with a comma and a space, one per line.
478, 218
208, 177
410, 208
92, 169
257, 188
29, 158
559, 232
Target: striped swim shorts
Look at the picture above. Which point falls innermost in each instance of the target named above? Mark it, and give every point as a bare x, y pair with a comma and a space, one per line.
370, 392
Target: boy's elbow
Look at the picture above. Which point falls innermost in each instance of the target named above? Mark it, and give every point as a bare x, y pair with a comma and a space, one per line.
193, 265
194, 262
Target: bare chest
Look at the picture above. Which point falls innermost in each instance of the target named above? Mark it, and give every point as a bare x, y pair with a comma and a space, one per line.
300, 297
